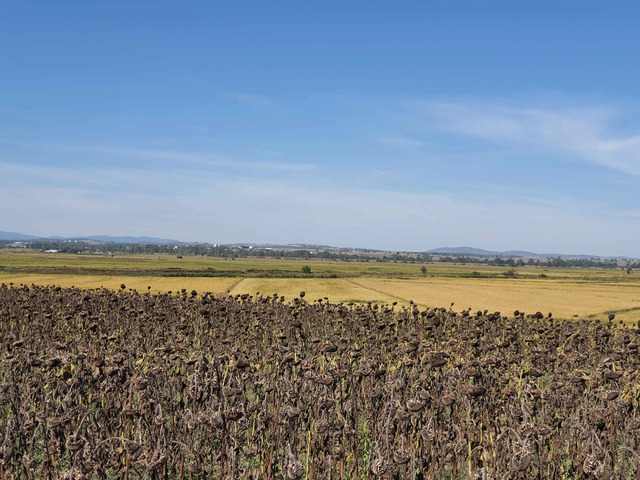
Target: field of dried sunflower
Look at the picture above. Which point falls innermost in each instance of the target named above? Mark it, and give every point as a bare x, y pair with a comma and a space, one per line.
120, 384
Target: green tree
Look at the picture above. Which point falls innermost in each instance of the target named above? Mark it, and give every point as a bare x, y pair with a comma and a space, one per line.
423, 269
306, 269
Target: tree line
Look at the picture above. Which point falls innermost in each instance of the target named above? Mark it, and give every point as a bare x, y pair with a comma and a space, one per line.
225, 251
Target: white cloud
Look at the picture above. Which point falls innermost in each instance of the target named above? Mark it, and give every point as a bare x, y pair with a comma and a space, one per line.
211, 197
205, 207
251, 99
178, 158
206, 159
583, 132
402, 143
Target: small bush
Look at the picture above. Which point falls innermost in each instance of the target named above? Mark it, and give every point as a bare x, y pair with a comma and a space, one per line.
511, 273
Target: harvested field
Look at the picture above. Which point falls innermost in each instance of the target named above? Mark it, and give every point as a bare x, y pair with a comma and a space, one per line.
338, 290
566, 299
567, 292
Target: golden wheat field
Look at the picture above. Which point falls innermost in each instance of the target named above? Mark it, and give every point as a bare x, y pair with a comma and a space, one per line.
565, 299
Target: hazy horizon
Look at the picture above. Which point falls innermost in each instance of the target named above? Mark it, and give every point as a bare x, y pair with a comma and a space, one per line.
401, 127
426, 249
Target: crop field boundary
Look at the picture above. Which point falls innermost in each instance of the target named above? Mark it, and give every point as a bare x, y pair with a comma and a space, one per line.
614, 312
235, 284
354, 282
156, 272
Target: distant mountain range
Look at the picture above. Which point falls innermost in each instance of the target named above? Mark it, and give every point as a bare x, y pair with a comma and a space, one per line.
466, 251
478, 252
19, 237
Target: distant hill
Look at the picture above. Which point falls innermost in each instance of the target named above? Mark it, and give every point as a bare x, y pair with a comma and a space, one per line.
479, 252
110, 239
464, 251
20, 237
16, 237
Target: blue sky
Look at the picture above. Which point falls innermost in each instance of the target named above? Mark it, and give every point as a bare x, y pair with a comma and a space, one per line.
394, 125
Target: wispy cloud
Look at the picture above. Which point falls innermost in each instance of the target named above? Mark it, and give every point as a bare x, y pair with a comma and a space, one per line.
402, 143
212, 208
585, 133
251, 99
199, 128
181, 158
442, 191
205, 159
